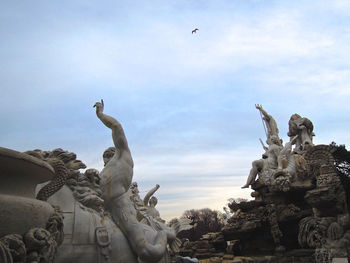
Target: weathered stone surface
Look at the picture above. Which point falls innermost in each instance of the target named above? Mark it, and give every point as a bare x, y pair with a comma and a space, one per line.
298, 193
20, 173
19, 214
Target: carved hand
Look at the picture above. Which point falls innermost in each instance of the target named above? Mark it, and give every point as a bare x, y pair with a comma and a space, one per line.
259, 107
99, 106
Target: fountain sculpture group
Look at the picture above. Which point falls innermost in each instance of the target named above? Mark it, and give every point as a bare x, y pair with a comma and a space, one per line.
299, 212
52, 212
80, 217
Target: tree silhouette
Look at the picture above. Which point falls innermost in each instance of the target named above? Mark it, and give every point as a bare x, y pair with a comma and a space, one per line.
342, 164
204, 220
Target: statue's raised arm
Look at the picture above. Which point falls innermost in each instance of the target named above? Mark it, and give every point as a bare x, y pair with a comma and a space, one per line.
149, 194
269, 122
263, 112
118, 134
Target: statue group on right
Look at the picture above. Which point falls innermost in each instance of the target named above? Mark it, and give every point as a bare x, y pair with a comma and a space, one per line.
296, 189
278, 160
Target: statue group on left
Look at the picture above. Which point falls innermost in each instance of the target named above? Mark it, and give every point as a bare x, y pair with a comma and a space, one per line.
105, 220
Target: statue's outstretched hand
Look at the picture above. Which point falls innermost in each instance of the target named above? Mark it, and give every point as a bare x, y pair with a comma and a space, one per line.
258, 106
99, 106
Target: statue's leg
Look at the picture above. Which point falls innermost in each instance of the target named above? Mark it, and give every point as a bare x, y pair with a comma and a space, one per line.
149, 248
148, 252
281, 160
256, 166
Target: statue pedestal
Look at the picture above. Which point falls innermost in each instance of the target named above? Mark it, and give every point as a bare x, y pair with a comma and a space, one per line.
19, 175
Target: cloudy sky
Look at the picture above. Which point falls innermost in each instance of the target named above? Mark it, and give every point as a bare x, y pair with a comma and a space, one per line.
186, 101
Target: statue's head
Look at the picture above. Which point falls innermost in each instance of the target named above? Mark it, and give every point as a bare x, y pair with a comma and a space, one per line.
275, 140
134, 188
153, 201
108, 154
295, 116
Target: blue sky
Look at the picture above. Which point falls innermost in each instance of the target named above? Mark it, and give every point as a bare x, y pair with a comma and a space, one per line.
186, 101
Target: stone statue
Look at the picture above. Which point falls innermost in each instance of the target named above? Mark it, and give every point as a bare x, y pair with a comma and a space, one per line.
148, 214
150, 203
302, 127
116, 178
269, 160
279, 164
90, 233
49, 206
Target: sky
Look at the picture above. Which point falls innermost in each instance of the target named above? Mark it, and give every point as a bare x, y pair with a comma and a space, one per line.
186, 101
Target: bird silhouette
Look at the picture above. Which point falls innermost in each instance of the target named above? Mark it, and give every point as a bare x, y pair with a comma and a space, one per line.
195, 30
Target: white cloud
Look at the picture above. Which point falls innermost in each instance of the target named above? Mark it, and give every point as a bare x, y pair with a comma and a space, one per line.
226, 162
213, 197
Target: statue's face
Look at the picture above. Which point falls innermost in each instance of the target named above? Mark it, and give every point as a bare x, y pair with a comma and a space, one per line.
134, 188
108, 154
153, 201
106, 160
275, 140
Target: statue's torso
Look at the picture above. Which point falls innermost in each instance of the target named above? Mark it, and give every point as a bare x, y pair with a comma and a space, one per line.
116, 176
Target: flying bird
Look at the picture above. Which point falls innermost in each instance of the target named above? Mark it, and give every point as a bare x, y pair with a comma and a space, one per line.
195, 30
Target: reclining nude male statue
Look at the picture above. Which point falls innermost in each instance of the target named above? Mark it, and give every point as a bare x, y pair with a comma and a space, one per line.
116, 178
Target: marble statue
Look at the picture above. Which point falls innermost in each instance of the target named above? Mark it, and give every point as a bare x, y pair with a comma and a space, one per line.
268, 162
116, 178
90, 234
148, 214
150, 203
280, 164
99, 218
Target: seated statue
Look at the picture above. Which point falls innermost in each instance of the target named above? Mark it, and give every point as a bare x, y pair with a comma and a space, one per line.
270, 160
279, 164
